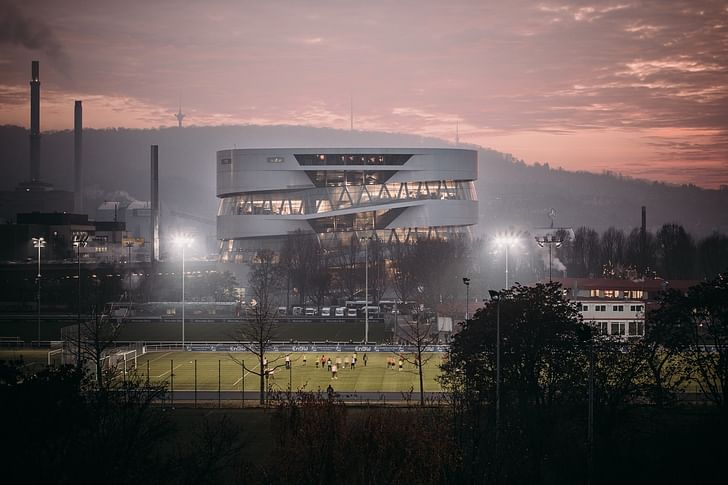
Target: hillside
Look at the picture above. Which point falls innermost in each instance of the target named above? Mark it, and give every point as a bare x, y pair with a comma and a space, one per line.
512, 193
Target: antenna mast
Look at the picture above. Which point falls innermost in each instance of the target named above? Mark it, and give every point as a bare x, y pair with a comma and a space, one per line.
180, 115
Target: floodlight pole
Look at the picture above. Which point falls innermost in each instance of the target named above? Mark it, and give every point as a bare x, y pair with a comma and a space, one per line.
39, 243
550, 240
366, 289
467, 298
78, 329
496, 295
183, 295
507, 245
129, 246
79, 240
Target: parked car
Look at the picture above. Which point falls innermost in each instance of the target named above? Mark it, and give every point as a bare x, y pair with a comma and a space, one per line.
340, 311
326, 311
310, 311
373, 311
351, 312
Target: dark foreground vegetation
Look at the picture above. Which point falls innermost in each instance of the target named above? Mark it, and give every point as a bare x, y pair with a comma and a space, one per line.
54, 434
570, 406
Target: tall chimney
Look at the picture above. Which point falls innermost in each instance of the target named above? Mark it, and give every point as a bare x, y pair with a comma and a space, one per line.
155, 204
78, 157
643, 243
35, 123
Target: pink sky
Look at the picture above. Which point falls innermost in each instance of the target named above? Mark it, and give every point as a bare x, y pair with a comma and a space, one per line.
639, 88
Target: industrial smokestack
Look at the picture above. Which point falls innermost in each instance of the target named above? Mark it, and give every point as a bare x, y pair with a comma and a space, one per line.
643, 243
155, 204
35, 122
78, 157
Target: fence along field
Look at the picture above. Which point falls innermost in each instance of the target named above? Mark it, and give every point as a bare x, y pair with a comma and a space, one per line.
220, 370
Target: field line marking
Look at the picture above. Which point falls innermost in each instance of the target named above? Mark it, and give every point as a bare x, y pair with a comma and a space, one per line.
160, 357
245, 375
174, 369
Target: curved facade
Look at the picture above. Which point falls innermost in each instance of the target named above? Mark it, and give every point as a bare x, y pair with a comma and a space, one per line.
266, 194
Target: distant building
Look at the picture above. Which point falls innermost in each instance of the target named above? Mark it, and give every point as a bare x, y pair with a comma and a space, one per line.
136, 216
391, 193
617, 307
33, 197
105, 239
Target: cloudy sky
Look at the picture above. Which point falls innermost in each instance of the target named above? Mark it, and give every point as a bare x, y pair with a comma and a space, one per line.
639, 88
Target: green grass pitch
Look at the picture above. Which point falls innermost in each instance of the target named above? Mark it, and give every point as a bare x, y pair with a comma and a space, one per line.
375, 377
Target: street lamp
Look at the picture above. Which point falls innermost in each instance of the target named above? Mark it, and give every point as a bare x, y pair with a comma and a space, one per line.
467, 298
366, 240
506, 241
183, 242
552, 240
79, 241
38, 242
129, 245
496, 297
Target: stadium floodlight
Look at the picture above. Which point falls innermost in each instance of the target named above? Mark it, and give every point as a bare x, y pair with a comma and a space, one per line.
496, 297
79, 241
550, 240
507, 241
466, 282
183, 241
38, 242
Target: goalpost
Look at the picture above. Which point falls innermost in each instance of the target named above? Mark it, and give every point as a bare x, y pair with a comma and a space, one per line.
129, 359
51, 353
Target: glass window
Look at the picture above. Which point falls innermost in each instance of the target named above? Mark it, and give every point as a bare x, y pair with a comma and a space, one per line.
636, 329
352, 159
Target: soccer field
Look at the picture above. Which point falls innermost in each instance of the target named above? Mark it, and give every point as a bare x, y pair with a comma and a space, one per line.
375, 377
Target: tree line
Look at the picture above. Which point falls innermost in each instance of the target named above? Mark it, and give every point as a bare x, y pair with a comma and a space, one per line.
670, 253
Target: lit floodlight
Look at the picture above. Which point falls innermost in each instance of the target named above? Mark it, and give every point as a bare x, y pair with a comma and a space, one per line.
39, 242
506, 241
182, 240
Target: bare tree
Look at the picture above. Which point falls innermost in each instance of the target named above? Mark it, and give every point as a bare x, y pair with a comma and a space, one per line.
713, 255
296, 258
320, 275
418, 333
98, 335
377, 269
585, 254
676, 252
640, 250
404, 270
257, 331
348, 267
613, 242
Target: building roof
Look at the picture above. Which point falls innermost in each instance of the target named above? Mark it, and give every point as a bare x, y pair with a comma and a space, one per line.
139, 204
647, 284
109, 205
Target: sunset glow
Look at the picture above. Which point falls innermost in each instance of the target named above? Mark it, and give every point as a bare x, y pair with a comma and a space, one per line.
635, 88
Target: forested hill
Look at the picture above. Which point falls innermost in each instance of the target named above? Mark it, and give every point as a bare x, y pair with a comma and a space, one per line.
512, 193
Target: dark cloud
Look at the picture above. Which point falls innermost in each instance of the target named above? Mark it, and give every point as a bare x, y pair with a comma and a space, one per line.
18, 29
